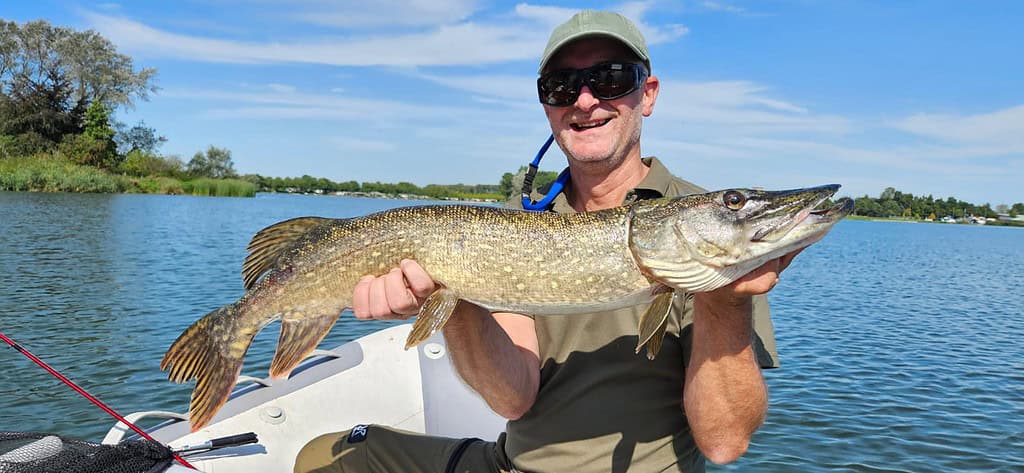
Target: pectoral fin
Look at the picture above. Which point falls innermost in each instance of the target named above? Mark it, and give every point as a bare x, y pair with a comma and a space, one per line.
433, 315
652, 324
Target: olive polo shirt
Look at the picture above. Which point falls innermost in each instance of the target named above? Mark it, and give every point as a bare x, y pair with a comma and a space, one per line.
603, 408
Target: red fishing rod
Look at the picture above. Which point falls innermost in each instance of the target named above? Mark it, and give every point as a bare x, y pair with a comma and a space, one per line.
86, 395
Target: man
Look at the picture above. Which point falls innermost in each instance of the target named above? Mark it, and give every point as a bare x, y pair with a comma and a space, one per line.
575, 393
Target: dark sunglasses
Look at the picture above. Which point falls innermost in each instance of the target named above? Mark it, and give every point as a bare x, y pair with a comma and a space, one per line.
607, 81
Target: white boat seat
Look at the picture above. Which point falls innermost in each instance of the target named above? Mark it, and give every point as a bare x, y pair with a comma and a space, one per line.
450, 408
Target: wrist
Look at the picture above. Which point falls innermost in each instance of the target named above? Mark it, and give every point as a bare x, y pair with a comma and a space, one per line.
717, 304
723, 322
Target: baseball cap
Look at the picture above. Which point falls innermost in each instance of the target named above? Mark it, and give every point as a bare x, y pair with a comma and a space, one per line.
591, 23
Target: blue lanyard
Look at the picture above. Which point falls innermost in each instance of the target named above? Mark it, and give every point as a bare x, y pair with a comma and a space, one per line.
556, 187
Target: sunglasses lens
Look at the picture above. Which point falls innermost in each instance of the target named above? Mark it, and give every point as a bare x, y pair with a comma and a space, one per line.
559, 88
606, 81
612, 82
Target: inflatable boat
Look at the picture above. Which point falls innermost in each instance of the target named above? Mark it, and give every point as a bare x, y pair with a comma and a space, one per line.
370, 380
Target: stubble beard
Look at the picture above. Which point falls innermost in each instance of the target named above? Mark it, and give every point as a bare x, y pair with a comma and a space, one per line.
612, 158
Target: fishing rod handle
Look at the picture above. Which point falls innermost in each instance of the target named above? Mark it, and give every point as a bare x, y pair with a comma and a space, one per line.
234, 440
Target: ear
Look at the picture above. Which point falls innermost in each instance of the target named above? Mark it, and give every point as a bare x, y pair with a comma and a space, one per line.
651, 87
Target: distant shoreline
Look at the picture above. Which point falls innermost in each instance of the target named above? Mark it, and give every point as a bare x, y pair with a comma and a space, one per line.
382, 195
988, 223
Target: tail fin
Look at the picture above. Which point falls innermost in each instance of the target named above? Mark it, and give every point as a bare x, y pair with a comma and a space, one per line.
210, 351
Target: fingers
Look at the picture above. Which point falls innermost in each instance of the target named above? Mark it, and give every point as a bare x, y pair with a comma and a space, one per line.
421, 284
397, 294
398, 297
764, 278
788, 258
758, 281
361, 298
379, 307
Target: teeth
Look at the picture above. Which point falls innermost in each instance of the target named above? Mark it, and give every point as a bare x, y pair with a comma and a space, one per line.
588, 125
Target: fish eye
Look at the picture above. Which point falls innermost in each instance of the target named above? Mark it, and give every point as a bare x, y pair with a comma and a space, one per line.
734, 200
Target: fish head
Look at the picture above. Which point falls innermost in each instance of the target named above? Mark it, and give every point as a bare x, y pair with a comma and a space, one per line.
701, 242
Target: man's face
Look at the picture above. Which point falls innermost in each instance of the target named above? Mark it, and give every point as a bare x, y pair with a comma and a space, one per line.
594, 130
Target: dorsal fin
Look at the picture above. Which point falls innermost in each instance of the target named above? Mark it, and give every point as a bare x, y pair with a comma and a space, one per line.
270, 242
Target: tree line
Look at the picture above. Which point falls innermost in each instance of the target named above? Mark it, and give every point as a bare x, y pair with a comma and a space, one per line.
310, 184
510, 184
59, 89
893, 203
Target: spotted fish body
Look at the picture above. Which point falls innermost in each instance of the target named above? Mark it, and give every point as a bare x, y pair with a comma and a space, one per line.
303, 271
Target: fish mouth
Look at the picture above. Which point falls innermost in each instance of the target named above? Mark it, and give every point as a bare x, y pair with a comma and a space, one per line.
796, 209
841, 209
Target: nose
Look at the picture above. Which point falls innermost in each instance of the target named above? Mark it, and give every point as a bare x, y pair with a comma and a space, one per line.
586, 100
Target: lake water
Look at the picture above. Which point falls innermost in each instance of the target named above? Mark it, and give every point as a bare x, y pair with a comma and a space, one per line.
902, 345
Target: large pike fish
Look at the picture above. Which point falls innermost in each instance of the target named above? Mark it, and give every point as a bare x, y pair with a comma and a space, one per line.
303, 270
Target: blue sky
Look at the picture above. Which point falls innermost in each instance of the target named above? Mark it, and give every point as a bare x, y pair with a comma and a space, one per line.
926, 97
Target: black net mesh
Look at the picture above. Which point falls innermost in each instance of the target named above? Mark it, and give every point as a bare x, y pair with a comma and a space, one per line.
22, 452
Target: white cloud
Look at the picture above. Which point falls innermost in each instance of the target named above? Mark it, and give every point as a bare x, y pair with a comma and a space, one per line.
636, 11
445, 36
281, 88
731, 107
1000, 129
360, 14
363, 145
266, 104
550, 17
722, 7
294, 105
519, 88
461, 44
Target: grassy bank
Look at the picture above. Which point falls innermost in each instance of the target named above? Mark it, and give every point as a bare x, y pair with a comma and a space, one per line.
49, 174
45, 174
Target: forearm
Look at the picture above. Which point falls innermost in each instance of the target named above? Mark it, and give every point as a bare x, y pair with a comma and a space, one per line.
725, 397
505, 375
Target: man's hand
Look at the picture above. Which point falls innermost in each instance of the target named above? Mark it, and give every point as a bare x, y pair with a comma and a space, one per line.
758, 281
395, 295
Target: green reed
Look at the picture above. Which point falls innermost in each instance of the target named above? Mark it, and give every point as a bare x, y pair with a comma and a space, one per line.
219, 187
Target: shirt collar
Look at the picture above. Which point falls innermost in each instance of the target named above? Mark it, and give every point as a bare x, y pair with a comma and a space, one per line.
654, 185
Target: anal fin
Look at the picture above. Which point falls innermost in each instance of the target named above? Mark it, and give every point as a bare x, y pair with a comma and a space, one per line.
433, 315
299, 337
651, 330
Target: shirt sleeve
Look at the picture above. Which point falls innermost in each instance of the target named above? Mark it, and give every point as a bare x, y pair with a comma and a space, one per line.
764, 334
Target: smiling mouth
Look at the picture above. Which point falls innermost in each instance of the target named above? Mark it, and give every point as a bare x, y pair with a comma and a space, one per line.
589, 125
